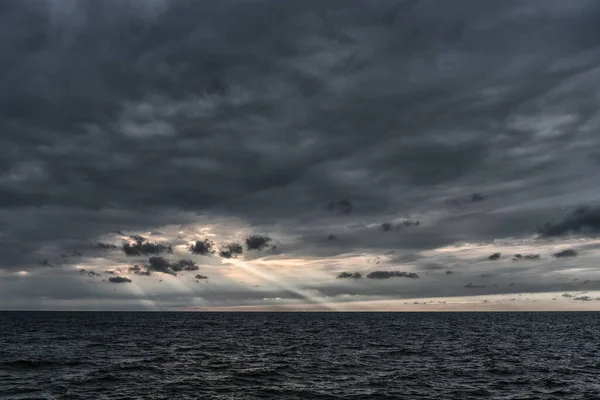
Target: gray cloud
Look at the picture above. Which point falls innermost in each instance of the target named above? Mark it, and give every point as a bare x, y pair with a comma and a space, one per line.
257, 242
140, 246
349, 275
470, 285
340, 206
565, 253
161, 264
391, 274
184, 265
583, 298
526, 257
119, 279
325, 120
105, 246
139, 270
584, 220
204, 247
230, 250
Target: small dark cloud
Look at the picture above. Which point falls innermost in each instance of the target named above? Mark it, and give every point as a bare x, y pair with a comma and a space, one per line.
494, 256
428, 266
109, 272
471, 286
46, 263
448, 272
341, 206
331, 237
93, 273
583, 298
395, 257
104, 246
408, 223
184, 265
198, 276
349, 275
584, 220
204, 247
230, 250
465, 200
257, 242
75, 253
567, 295
517, 257
139, 270
391, 274
476, 198
140, 247
387, 226
160, 264
119, 279
565, 253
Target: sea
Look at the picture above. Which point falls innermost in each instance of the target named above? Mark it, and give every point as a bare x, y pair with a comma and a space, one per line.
197, 355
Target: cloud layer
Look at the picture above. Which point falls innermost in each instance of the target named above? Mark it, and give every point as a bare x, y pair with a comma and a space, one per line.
282, 144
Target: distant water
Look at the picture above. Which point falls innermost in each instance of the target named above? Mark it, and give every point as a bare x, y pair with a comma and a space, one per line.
299, 356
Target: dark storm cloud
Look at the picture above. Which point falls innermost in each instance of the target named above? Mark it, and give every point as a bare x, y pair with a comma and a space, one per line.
585, 220
90, 156
495, 256
122, 115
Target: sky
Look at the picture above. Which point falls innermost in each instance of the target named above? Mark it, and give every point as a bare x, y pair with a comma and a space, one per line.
355, 155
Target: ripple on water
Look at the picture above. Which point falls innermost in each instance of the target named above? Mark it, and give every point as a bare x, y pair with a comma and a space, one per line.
299, 356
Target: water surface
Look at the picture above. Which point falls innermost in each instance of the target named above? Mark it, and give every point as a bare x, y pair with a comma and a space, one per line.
64, 355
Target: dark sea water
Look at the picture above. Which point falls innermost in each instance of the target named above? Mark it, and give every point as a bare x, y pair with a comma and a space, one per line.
299, 355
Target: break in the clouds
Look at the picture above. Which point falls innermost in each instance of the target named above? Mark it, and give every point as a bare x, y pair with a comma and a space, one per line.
276, 146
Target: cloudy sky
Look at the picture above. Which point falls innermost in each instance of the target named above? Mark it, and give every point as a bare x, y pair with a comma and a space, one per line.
301, 154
